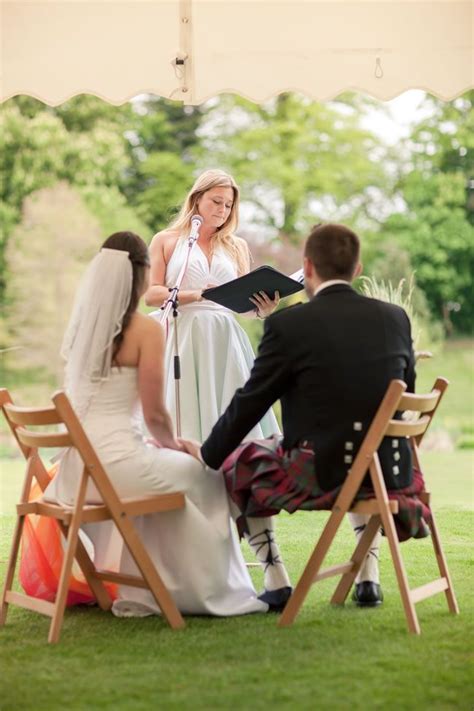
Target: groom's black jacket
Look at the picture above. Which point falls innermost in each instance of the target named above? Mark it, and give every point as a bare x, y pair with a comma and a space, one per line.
329, 362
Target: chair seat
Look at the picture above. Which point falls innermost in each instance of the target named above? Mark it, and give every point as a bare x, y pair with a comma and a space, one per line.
69, 519
92, 513
371, 506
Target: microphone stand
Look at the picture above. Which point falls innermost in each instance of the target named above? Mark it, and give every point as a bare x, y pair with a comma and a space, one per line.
171, 305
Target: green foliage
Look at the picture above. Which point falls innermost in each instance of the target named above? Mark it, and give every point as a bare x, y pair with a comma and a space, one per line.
437, 227
164, 125
166, 181
162, 137
37, 150
253, 327
46, 255
454, 360
82, 114
296, 160
439, 240
445, 140
109, 206
425, 334
466, 441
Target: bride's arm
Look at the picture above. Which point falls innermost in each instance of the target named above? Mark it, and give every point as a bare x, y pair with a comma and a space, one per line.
151, 379
157, 292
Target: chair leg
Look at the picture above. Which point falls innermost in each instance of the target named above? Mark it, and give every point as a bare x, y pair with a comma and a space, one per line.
394, 545
15, 547
66, 568
357, 558
88, 569
313, 565
390, 532
443, 567
145, 565
66, 571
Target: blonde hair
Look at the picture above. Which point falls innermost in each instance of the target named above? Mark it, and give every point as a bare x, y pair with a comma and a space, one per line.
225, 234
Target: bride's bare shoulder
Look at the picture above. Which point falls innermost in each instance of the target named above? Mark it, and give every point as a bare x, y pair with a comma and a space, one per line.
146, 326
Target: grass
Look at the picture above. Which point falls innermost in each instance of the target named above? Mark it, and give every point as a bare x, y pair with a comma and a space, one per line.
454, 361
330, 659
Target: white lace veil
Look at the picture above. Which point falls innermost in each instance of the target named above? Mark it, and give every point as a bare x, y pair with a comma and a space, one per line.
100, 305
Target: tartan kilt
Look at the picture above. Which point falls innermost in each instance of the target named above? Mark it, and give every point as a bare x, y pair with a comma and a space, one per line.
263, 479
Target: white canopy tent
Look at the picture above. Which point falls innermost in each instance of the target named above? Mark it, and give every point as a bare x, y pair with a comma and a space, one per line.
191, 50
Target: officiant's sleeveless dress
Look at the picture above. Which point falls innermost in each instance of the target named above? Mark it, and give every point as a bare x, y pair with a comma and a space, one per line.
215, 352
195, 549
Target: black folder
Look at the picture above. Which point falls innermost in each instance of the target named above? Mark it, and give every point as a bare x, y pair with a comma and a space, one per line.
235, 294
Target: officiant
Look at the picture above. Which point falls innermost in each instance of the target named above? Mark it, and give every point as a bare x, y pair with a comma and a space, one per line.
215, 353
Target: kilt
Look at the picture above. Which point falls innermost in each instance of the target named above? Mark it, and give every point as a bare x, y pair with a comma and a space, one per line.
263, 479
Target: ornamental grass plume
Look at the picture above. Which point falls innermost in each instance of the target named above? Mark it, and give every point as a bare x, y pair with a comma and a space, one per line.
401, 295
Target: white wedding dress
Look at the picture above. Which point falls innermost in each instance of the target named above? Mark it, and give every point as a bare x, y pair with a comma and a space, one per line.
215, 353
195, 549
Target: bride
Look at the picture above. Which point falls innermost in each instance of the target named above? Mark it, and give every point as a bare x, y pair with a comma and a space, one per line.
114, 360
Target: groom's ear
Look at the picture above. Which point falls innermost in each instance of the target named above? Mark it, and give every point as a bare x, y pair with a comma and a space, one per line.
308, 268
358, 270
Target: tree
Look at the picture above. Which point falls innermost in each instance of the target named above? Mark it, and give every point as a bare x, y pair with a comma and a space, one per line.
437, 226
46, 256
36, 151
162, 142
296, 160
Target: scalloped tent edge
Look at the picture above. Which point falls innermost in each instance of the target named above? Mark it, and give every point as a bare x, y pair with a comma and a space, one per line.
193, 50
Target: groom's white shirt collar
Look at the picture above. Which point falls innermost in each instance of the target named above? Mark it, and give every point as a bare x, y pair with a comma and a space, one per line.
330, 282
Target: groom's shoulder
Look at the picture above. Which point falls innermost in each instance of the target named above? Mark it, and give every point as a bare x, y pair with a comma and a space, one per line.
293, 313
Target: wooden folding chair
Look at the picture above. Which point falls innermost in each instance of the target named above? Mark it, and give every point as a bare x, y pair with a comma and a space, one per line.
69, 519
380, 509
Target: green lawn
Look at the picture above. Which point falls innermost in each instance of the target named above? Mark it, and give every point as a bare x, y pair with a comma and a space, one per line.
454, 361
332, 658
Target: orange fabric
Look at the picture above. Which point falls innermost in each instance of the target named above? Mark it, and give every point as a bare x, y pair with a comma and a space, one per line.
42, 557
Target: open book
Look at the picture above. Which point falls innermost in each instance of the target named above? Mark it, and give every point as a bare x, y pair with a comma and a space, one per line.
235, 294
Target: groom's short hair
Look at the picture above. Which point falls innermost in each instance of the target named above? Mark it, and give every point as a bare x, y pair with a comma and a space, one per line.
334, 251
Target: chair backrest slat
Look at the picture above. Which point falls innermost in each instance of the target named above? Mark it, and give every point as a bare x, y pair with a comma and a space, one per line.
86, 451
420, 403
33, 416
376, 432
400, 428
43, 439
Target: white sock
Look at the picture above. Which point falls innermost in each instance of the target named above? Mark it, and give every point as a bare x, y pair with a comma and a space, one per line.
370, 567
261, 539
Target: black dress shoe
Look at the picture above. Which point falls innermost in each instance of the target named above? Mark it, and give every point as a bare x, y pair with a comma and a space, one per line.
276, 599
367, 594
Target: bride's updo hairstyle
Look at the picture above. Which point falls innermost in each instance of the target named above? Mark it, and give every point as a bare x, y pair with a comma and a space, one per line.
138, 255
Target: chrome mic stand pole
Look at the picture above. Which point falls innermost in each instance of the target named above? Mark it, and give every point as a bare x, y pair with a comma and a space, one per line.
171, 304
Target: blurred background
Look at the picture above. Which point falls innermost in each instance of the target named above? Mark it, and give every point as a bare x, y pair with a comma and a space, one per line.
400, 173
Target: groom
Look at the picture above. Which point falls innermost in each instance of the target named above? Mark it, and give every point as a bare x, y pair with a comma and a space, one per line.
329, 361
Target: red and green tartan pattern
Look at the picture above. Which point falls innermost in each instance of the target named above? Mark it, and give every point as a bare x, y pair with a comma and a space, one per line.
262, 479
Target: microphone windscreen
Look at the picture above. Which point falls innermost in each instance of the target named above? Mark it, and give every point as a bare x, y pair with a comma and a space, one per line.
197, 218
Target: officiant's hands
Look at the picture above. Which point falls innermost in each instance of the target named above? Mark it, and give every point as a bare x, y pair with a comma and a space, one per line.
264, 306
192, 447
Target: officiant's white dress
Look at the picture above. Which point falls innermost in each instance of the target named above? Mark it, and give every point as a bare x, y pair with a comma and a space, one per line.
215, 352
195, 549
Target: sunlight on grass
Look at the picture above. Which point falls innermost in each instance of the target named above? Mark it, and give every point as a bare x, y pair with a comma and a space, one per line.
332, 658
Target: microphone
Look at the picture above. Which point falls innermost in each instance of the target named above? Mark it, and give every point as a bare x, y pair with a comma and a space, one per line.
196, 222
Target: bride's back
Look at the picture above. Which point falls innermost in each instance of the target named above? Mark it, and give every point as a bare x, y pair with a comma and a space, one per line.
134, 341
